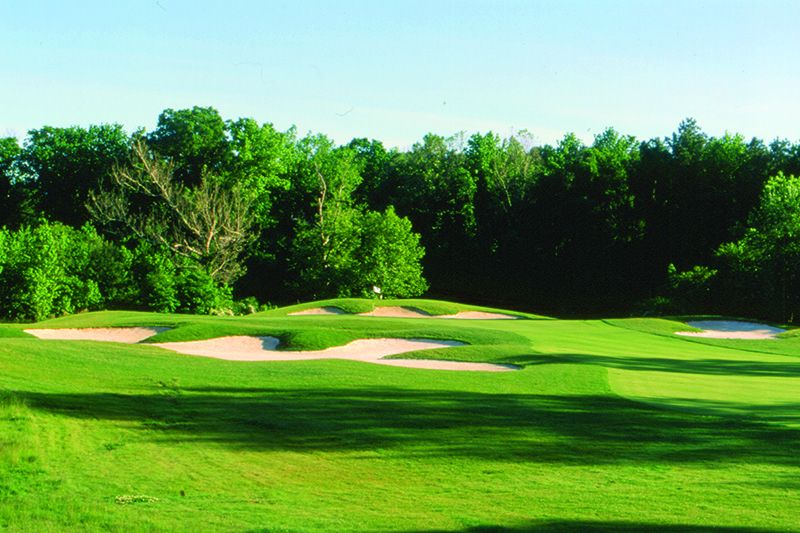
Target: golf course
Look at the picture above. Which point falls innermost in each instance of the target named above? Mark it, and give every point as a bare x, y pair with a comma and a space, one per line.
317, 418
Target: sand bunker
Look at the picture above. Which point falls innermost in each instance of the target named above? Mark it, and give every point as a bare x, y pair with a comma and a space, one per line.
366, 350
126, 335
321, 311
480, 315
731, 329
242, 348
407, 312
397, 312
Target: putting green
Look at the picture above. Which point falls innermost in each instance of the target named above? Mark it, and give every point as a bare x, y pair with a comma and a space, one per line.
675, 373
728, 378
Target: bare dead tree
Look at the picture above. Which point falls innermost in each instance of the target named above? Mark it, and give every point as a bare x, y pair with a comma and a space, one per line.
209, 224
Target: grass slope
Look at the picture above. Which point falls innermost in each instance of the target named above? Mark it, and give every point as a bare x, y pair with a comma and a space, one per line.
429, 307
102, 437
12, 332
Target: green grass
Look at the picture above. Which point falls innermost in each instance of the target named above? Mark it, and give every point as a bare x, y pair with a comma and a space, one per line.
8, 331
614, 425
360, 305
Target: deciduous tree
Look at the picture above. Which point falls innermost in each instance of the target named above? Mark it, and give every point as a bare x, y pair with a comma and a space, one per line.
389, 257
763, 265
63, 164
207, 225
13, 200
193, 140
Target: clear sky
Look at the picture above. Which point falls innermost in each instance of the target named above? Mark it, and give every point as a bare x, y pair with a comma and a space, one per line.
396, 70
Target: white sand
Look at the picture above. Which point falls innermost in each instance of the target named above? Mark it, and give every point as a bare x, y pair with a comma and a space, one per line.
126, 335
731, 329
321, 311
243, 348
366, 350
407, 312
480, 315
397, 312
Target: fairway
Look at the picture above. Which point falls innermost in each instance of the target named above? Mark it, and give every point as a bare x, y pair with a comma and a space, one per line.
607, 425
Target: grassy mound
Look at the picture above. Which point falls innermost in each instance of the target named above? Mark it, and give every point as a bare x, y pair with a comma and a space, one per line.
360, 305
8, 332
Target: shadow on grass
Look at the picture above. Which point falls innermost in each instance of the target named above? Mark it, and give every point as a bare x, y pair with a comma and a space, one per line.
581, 429
603, 527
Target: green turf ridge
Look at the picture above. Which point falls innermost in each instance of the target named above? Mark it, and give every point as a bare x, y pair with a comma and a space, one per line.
7, 332
119, 319
311, 333
610, 426
362, 305
656, 326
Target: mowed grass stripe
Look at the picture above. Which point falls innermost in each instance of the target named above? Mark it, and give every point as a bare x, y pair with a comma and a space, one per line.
772, 399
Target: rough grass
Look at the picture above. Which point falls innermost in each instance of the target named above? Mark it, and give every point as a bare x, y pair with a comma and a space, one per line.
102, 437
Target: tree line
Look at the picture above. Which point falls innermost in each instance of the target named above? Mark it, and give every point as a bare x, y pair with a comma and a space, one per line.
204, 214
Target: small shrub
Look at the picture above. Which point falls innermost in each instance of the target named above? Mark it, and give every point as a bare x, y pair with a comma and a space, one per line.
198, 293
249, 306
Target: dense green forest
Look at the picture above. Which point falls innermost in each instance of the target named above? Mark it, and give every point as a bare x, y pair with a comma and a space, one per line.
209, 215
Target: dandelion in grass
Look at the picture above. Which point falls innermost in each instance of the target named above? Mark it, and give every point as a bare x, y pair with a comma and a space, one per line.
128, 499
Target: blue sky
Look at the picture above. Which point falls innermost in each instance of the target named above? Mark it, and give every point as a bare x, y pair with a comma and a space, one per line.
395, 71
